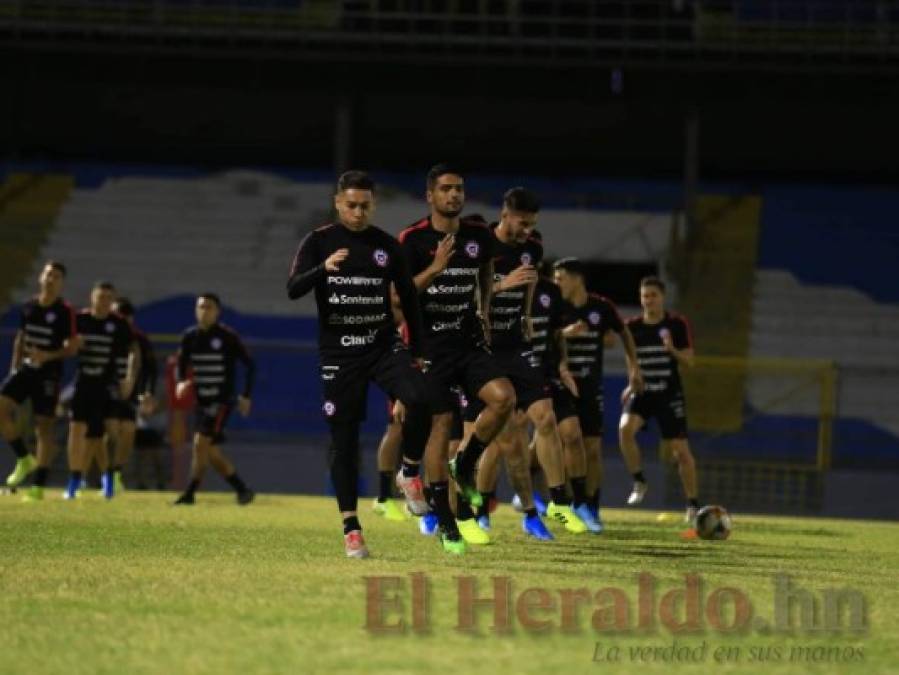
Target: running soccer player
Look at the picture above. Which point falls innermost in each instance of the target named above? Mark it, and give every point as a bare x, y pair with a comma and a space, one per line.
104, 337
142, 397
45, 337
664, 346
350, 265
451, 261
207, 360
589, 317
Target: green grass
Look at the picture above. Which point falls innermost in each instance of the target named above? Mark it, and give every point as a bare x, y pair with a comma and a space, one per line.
136, 586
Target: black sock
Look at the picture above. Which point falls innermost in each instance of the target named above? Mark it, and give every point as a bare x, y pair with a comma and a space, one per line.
192, 486
385, 485
40, 476
531, 512
410, 469
463, 508
235, 482
595, 498
18, 447
426, 490
351, 523
468, 458
579, 490
117, 468
693, 503
559, 496
484, 509
440, 504
639, 477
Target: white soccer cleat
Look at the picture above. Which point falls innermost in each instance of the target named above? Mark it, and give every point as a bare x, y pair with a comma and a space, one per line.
638, 493
690, 516
413, 490
355, 545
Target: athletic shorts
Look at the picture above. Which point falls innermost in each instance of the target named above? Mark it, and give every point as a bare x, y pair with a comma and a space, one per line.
212, 416
527, 379
457, 431
92, 404
588, 406
468, 370
563, 401
345, 382
124, 410
669, 409
31, 384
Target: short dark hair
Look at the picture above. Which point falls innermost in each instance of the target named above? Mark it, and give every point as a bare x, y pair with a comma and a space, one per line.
208, 295
653, 281
104, 285
570, 264
58, 266
521, 199
439, 170
124, 307
355, 180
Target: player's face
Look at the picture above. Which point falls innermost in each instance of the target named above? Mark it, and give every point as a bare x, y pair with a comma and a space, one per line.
519, 224
355, 208
566, 282
207, 312
652, 299
101, 300
51, 280
447, 197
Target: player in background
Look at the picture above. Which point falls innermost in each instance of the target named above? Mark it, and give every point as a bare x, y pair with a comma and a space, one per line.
211, 350
664, 345
451, 261
45, 337
142, 397
350, 265
104, 337
588, 317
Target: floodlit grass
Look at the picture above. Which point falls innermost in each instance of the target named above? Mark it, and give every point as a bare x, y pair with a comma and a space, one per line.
138, 586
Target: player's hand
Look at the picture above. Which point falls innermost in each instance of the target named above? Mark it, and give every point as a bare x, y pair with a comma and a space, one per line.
635, 381
243, 406
527, 327
520, 276
579, 327
332, 262
667, 342
445, 251
38, 357
182, 389
567, 379
420, 363
146, 404
399, 412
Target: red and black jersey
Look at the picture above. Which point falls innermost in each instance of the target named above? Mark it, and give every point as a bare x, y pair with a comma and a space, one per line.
105, 339
585, 351
507, 307
546, 317
47, 328
657, 364
212, 354
449, 305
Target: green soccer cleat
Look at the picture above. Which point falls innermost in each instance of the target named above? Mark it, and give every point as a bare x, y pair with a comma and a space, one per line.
24, 466
563, 514
472, 533
35, 494
466, 484
389, 510
454, 546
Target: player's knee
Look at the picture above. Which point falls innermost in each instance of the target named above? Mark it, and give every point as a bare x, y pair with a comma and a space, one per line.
544, 420
503, 402
680, 451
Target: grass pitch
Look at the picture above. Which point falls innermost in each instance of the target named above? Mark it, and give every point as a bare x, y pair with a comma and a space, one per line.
137, 586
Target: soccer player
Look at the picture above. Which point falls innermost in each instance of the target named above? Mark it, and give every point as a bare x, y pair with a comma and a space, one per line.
389, 450
125, 410
664, 346
589, 317
46, 335
451, 261
207, 360
104, 337
350, 265
515, 257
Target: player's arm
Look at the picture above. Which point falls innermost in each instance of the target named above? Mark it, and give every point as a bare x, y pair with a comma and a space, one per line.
635, 377
485, 287
182, 367
442, 255
407, 292
679, 343
249, 364
18, 351
134, 366
309, 266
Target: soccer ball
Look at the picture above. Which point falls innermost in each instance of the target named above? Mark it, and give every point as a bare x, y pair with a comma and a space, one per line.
713, 522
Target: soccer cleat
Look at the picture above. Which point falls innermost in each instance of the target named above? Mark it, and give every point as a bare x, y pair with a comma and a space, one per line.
516, 504
466, 484
389, 510
562, 513
533, 527
117, 483
427, 524
244, 497
471, 533
186, 499
690, 516
107, 485
413, 490
354, 545
591, 521
24, 466
539, 504
638, 493
455, 546
73, 489
484, 522
35, 494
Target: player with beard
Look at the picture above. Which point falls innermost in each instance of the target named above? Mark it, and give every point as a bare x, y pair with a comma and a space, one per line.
451, 260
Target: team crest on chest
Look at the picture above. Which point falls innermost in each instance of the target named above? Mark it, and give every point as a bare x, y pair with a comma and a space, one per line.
110, 326
329, 408
526, 258
51, 317
593, 318
216, 343
472, 248
381, 257
544, 300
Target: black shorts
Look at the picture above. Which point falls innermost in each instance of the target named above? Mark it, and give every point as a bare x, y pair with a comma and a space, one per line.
564, 405
345, 382
468, 370
528, 380
589, 406
669, 409
124, 411
212, 416
92, 404
457, 431
31, 384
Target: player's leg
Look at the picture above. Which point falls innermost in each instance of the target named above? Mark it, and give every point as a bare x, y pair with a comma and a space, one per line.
198, 465
124, 441
215, 432
436, 458
589, 405
388, 459
513, 444
637, 409
673, 426
466, 515
487, 475
14, 391
76, 450
46, 452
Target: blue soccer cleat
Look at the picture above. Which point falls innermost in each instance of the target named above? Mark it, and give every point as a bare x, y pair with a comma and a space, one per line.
484, 522
107, 485
533, 527
539, 504
427, 524
585, 513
